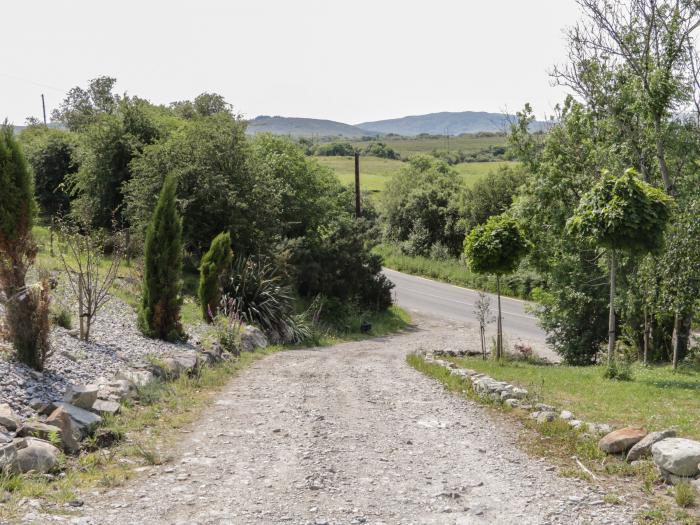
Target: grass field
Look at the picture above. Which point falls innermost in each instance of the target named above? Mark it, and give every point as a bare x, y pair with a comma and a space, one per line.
407, 146
656, 398
375, 172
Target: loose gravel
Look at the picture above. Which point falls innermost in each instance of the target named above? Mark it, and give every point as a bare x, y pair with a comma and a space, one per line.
348, 435
115, 344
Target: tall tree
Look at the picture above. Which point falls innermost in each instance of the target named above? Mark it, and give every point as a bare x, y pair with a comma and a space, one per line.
159, 315
26, 306
622, 214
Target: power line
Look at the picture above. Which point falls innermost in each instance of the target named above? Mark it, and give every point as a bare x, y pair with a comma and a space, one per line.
39, 84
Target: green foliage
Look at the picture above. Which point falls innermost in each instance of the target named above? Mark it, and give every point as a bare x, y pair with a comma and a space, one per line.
17, 204
159, 314
496, 246
338, 263
52, 155
420, 209
108, 144
685, 494
211, 269
255, 291
61, 316
27, 307
82, 107
491, 195
335, 149
622, 213
381, 150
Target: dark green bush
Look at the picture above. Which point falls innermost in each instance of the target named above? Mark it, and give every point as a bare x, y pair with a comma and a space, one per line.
212, 267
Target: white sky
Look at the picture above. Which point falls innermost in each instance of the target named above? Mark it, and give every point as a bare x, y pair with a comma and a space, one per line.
350, 61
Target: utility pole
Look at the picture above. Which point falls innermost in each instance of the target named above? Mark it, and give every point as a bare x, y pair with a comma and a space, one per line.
43, 107
358, 209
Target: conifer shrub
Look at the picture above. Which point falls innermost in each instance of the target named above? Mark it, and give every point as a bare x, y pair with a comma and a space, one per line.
214, 263
159, 314
26, 307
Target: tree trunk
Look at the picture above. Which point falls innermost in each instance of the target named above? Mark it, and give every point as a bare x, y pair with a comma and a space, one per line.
611, 319
482, 333
81, 308
681, 336
661, 157
499, 326
647, 327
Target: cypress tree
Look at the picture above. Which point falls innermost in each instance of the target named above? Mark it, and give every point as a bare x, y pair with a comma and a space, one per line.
159, 315
213, 264
27, 307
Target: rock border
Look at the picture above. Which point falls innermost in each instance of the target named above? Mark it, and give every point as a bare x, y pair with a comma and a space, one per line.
677, 459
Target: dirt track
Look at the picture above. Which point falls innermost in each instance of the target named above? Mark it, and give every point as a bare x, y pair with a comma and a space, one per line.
350, 434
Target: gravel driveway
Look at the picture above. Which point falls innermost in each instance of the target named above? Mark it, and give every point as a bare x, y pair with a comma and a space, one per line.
350, 434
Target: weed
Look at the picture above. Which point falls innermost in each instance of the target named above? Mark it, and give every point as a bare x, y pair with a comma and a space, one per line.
612, 499
684, 494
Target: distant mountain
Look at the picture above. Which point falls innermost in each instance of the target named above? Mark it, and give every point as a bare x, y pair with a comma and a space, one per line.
303, 127
444, 123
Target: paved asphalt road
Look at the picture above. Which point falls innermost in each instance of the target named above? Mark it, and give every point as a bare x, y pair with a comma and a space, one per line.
454, 303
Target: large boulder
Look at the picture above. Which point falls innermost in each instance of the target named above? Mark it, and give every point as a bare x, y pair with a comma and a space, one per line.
83, 420
252, 338
81, 396
8, 418
36, 455
621, 440
70, 433
643, 448
166, 368
677, 456
8, 457
117, 390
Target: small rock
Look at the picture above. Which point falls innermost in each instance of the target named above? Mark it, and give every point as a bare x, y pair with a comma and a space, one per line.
70, 435
83, 420
546, 417
621, 440
103, 407
252, 338
37, 455
139, 378
643, 448
8, 418
8, 457
37, 429
81, 396
566, 415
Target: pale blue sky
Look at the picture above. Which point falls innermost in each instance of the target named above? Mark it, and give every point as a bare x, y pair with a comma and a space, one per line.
350, 61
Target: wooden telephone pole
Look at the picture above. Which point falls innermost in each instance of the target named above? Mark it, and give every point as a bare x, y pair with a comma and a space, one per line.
358, 209
43, 107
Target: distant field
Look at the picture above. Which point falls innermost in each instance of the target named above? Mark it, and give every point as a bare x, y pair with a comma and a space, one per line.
407, 146
375, 172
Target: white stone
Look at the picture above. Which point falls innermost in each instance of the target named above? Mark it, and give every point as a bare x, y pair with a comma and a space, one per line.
677, 456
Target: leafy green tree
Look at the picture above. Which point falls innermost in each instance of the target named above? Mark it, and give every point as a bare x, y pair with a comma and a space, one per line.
159, 314
420, 208
81, 107
107, 146
213, 265
52, 155
27, 307
496, 247
491, 195
621, 214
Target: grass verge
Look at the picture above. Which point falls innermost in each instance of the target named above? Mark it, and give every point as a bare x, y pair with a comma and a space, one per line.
656, 397
519, 284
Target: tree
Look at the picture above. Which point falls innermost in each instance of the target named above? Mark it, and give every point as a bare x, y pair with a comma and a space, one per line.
52, 155
420, 207
212, 267
27, 307
81, 107
482, 311
491, 195
496, 247
621, 214
82, 256
159, 314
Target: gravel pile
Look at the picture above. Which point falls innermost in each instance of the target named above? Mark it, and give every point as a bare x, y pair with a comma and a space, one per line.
115, 344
